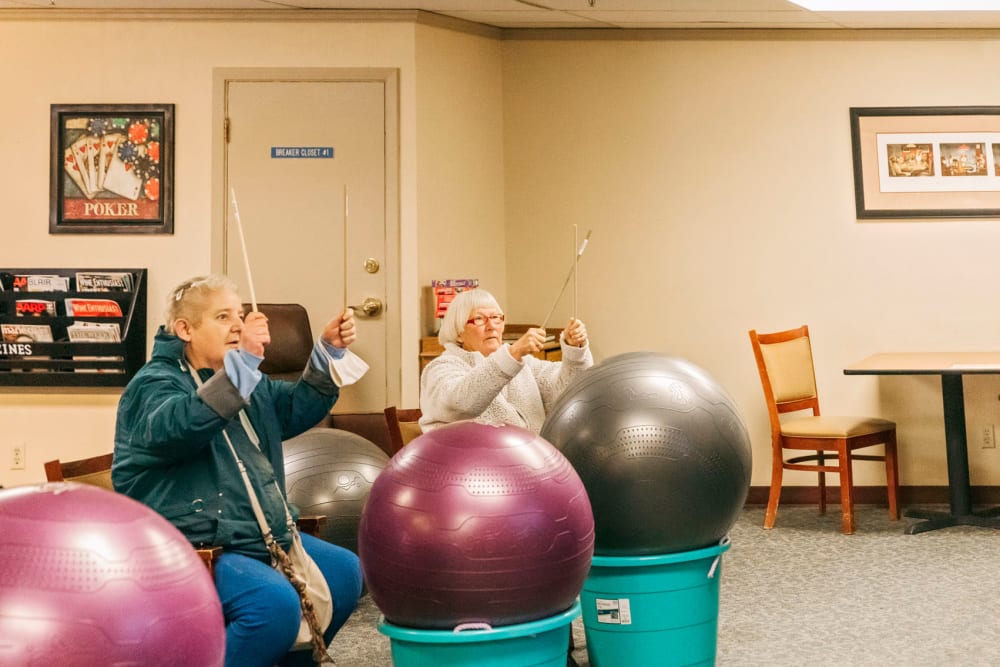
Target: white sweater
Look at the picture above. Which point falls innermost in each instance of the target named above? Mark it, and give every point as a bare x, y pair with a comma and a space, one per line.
497, 389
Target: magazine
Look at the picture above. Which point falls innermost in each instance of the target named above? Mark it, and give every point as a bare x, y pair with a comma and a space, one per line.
112, 281
40, 283
95, 332
34, 307
17, 339
92, 308
26, 333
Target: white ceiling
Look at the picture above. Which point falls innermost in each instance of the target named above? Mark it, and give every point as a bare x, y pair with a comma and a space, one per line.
606, 14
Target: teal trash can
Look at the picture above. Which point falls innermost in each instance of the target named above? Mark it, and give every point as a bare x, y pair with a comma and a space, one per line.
653, 610
541, 643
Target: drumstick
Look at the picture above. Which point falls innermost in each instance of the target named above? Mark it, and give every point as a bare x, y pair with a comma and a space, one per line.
345, 247
572, 271
576, 261
243, 245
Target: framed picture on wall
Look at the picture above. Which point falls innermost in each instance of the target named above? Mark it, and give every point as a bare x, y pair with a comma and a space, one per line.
926, 162
111, 169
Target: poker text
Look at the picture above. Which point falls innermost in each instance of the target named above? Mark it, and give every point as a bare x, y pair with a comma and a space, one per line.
113, 209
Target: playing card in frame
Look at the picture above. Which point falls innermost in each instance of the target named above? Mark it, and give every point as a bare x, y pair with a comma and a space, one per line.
111, 169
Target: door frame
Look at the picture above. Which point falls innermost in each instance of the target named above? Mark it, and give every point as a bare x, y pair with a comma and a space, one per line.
389, 78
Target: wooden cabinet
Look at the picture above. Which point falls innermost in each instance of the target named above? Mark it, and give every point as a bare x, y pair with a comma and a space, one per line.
429, 349
45, 339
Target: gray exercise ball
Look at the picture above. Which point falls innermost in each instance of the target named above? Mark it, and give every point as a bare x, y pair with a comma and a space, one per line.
661, 449
330, 472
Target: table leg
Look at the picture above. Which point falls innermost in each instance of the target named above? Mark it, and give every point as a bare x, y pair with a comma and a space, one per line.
959, 489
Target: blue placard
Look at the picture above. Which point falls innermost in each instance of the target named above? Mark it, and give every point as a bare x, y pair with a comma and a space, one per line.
307, 152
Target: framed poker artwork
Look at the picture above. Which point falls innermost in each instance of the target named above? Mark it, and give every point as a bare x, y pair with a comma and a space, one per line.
111, 169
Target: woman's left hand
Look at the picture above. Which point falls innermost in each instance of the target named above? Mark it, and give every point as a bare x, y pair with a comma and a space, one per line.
255, 334
341, 332
575, 333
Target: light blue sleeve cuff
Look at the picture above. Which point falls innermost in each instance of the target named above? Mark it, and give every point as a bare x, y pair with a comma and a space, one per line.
322, 353
333, 350
339, 364
241, 368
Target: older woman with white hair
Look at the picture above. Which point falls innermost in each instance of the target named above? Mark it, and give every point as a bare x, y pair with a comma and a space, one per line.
480, 377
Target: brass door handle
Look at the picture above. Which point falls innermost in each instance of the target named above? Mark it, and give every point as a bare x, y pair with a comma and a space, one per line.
370, 307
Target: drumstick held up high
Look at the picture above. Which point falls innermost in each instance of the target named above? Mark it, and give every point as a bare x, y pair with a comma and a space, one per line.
243, 246
572, 272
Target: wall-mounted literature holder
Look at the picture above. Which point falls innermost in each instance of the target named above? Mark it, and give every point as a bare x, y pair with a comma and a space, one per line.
72, 327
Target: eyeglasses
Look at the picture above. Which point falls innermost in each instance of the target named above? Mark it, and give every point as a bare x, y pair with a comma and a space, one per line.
480, 320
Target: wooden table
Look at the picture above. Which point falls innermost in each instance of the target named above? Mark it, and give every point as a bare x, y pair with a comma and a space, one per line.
951, 366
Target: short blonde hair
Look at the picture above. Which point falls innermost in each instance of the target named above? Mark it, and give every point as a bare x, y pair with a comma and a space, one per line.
459, 310
187, 300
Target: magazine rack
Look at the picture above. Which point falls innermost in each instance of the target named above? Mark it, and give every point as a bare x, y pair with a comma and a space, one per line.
62, 363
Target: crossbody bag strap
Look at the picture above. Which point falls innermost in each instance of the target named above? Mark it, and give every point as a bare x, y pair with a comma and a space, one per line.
279, 558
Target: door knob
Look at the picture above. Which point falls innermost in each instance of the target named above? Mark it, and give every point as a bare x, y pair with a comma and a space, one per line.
370, 307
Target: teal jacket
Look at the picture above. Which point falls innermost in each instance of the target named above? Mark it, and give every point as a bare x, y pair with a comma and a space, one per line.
171, 455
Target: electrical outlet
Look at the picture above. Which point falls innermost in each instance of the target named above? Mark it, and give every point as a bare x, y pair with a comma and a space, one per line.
989, 436
17, 457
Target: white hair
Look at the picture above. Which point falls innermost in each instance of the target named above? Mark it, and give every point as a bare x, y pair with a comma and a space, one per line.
459, 310
187, 300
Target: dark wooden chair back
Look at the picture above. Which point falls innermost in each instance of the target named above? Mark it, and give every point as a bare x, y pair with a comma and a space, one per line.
403, 426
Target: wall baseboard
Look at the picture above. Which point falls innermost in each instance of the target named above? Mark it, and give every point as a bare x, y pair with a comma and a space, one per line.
872, 495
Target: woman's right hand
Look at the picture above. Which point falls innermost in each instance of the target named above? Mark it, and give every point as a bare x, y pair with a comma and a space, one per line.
532, 341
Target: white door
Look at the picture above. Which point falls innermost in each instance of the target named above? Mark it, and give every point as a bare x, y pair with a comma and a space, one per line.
310, 164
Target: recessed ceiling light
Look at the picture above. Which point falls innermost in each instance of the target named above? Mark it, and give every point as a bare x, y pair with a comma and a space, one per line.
898, 5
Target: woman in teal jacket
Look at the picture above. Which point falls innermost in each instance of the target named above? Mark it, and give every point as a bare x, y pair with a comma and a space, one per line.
171, 454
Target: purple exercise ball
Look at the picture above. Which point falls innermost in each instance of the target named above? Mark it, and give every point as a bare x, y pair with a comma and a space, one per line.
92, 577
476, 524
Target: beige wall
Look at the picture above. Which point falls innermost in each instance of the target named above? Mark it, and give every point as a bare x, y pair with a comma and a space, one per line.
163, 61
716, 175
711, 170
460, 179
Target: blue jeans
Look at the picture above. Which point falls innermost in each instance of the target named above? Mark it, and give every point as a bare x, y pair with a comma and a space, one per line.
262, 611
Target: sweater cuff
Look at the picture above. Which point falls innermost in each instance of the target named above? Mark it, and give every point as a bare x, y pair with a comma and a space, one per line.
508, 365
572, 352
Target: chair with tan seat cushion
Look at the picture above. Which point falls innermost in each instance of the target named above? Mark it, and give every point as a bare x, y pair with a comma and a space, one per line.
403, 425
785, 363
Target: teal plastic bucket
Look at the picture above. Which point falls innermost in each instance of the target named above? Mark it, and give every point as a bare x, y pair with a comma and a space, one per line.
653, 610
541, 643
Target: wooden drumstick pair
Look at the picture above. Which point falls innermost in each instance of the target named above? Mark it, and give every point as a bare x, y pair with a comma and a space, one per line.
577, 253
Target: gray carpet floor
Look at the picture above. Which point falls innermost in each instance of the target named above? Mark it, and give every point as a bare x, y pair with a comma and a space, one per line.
804, 594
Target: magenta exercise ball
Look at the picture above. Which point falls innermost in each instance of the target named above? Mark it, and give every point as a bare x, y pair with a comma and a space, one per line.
92, 577
476, 524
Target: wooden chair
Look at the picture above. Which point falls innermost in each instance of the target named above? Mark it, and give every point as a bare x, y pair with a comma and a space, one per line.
369, 425
785, 364
403, 425
96, 471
